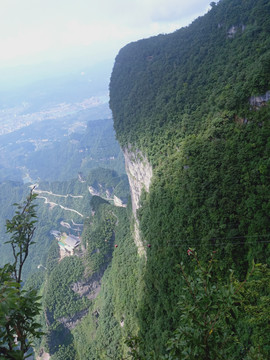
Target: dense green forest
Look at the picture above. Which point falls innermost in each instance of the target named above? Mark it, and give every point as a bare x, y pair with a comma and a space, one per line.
80, 294
195, 102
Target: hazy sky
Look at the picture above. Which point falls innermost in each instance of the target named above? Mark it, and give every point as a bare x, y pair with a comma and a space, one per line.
36, 31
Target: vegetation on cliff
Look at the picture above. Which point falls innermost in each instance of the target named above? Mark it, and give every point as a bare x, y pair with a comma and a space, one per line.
195, 102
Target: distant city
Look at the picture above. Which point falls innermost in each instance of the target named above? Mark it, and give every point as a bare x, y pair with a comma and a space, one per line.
14, 118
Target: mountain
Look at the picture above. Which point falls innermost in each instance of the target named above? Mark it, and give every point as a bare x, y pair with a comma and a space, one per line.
191, 112
181, 272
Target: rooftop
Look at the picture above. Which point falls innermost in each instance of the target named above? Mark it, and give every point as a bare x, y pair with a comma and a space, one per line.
72, 241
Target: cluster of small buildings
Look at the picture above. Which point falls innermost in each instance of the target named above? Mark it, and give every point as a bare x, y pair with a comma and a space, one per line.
67, 243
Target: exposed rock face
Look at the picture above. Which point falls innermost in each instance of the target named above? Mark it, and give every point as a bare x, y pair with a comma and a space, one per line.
233, 30
259, 101
118, 202
139, 172
89, 288
101, 192
42, 355
93, 191
63, 253
70, 323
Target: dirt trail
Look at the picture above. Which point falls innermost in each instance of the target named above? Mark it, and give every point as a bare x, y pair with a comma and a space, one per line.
51, 193
52, 205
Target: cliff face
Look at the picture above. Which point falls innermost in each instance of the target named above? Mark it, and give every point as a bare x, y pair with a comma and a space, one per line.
177, 99
195, 135
139, 172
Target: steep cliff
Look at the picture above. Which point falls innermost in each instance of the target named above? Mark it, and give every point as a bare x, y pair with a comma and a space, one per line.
139, 172
191, 111
194, 104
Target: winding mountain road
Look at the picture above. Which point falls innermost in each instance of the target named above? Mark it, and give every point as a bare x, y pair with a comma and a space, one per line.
53, 204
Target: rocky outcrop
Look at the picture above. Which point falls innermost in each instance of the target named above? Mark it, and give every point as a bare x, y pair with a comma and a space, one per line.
260, 100
233, 30
101, 192
139, 172
93, 191
71, 322
42, 355
89, 288
107, 194
118, 202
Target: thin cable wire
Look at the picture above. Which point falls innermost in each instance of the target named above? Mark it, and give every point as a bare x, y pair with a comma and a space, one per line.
220, 238
227, 243
188, 243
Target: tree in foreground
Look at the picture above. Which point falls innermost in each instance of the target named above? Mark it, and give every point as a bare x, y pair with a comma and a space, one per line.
18, 308
222, 319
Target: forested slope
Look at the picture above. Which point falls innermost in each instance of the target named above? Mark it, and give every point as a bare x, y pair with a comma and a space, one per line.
184, 272
195, 102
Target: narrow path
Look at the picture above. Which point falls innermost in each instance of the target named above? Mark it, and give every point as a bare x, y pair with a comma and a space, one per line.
64, 196
75, 223
52, 204
68, 209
